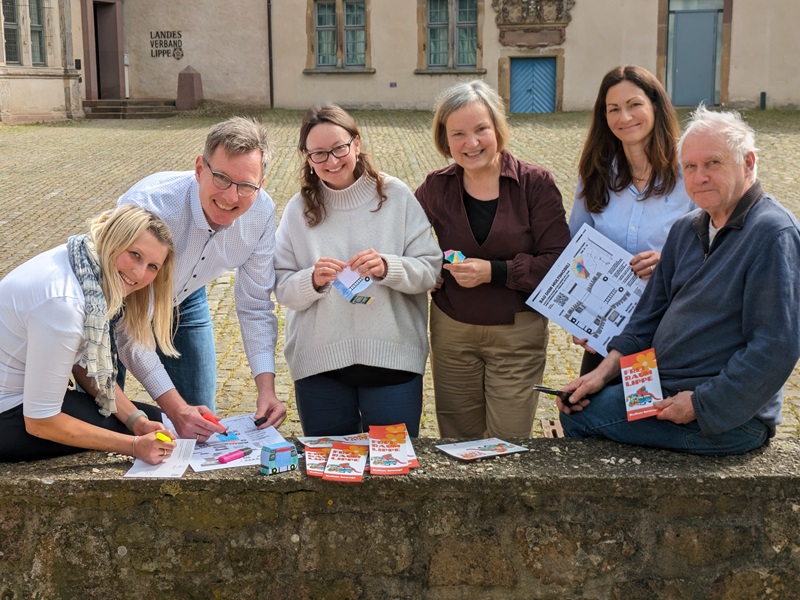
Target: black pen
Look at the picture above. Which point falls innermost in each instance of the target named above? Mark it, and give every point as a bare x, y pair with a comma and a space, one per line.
261, 421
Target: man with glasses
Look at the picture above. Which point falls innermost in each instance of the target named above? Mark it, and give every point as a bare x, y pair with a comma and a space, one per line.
220, 219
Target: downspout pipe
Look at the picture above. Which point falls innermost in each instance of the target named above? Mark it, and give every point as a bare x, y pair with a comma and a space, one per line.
269, 54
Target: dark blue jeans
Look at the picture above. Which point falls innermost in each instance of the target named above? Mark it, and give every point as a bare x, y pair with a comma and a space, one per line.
194, 373
330, 407
605, 417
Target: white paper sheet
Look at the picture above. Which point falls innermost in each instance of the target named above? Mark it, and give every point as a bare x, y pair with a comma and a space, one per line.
242, 433
591, 290
173, 467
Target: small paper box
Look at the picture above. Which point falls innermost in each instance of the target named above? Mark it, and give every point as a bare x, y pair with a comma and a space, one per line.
277, 458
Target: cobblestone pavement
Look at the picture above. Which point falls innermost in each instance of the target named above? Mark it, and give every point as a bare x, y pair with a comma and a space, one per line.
53, 177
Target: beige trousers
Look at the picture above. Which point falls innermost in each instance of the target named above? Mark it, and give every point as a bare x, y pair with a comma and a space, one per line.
483, 375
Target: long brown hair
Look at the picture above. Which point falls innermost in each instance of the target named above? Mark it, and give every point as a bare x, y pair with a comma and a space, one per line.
602, 148
310, 183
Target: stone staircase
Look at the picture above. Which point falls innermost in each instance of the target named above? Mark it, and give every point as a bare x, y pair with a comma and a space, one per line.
129, 109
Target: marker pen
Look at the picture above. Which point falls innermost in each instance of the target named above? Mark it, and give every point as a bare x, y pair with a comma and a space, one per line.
261, 421
211, 418
161, 437
235, 455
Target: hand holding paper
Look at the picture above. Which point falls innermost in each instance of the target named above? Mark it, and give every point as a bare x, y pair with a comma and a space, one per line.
326, 269
368, 263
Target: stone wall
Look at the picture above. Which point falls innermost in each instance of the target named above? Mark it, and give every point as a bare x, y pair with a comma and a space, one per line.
568, 519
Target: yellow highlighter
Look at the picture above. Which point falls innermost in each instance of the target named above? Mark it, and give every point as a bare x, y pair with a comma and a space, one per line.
163, 438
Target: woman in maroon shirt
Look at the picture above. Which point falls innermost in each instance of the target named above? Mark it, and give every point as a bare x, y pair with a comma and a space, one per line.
507, 218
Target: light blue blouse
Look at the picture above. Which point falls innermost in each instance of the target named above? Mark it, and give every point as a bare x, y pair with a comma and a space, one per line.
634, 224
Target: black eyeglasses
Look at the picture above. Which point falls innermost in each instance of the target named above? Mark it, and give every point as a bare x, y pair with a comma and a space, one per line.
320, 156
223, 182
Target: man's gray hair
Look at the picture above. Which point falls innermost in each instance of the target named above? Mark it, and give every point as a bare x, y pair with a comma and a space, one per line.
240, 135
739, 136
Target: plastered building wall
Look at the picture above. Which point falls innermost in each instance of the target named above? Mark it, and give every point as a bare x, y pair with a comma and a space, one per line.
393, 51
225, 40
601, 36
764, 54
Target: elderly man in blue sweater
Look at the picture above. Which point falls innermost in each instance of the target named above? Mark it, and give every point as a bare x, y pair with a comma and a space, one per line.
722, 311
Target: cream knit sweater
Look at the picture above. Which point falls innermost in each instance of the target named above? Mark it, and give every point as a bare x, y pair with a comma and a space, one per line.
323, 330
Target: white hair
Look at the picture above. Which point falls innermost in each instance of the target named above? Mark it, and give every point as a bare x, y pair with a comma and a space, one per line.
738, 135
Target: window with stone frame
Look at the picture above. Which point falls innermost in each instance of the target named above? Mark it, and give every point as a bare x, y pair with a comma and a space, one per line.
452, 33
11, 32
38, 49
341, 34
450, 38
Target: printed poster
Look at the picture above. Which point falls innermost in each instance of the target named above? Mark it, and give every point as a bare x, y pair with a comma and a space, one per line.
591, 290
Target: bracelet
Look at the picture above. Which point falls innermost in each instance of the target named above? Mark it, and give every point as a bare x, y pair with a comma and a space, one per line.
133, 453
132, 418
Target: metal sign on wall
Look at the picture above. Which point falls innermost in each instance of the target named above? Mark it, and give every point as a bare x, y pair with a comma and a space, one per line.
166, 44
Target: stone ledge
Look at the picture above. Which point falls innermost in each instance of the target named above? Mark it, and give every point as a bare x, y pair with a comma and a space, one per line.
567, 519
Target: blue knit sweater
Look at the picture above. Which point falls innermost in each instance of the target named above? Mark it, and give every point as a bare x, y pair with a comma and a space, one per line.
725, 320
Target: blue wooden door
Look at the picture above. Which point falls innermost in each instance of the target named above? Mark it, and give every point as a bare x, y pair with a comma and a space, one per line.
693, 68
533, 85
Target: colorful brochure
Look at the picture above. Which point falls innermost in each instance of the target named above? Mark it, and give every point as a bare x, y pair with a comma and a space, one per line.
346, 463
359, 439
316, 459
480, 449
387, 450
641, 383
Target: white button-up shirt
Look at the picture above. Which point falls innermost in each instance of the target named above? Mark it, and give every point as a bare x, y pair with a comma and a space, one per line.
630, 222
202, 255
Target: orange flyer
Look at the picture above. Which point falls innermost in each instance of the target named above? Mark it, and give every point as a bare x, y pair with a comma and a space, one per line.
346, 463
387, 450
641, 383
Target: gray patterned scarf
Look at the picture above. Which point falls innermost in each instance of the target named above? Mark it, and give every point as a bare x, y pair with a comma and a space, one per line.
99, 355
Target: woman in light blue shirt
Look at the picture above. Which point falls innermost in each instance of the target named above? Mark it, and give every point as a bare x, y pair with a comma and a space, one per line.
630, 188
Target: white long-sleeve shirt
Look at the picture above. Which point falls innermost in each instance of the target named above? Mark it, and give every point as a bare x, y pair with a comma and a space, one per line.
41, 333
202, 255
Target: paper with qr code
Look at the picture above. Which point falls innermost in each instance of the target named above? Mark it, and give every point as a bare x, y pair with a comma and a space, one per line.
351, 284
591, 290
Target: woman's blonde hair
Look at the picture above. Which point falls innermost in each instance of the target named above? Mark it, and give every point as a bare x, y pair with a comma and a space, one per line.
112, 233
464, 94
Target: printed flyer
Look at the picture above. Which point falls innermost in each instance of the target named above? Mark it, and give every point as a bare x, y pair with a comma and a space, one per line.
641, 383
316, 459
346, 463
591, 290
387, 450
480, 449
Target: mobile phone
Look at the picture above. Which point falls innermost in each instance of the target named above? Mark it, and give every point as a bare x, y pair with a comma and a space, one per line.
553, 392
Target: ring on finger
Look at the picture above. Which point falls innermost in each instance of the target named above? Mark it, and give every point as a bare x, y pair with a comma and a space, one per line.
163, 452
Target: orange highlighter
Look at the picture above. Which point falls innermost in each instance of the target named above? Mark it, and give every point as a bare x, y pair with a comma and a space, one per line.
211, 418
